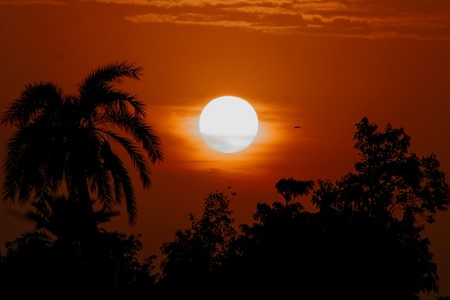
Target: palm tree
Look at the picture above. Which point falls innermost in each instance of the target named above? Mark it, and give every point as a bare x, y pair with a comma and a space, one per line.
66, 141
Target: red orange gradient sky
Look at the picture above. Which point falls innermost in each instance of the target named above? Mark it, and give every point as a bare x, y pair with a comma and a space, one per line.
321, 65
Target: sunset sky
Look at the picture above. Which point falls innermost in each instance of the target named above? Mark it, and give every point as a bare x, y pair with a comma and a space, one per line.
321, 65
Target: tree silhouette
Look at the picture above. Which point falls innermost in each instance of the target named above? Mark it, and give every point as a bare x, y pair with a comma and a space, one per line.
364, 242
277, 254
196, 254
387, 195
38, 265
66, 142
389, 181
68, 138
291, 188
51, 256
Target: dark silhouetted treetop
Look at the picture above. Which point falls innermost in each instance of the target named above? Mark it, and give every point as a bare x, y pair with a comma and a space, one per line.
69, 139
291, 188
198, 252
389, 191
389, 181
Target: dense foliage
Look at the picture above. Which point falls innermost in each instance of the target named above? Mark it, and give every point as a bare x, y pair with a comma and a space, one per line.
364, 241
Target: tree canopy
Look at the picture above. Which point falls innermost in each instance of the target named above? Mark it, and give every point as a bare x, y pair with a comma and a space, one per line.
364, 241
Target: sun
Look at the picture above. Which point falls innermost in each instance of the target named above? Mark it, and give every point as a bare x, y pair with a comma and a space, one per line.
228, 124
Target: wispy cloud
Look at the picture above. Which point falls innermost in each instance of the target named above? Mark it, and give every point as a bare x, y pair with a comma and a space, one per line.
188, 19
421, 19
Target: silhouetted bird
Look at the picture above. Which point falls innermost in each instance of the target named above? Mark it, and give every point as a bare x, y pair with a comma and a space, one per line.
297, 126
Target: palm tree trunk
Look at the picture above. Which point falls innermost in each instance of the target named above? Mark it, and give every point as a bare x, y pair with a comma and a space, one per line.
94, 251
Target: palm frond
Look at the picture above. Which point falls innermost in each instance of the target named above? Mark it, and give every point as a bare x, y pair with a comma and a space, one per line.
21, 174
115, 99
33, 161
122, 182
135, 154
111, 73
35, 98
140, 131
102, 183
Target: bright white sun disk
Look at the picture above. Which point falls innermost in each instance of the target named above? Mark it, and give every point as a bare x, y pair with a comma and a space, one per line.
228, 124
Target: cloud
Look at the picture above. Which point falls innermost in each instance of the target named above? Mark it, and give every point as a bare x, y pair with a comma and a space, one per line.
421, 19
188, 19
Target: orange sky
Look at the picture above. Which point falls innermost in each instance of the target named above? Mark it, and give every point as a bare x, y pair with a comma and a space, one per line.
322, 65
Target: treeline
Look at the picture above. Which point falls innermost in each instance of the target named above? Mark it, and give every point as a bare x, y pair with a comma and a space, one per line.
364, 240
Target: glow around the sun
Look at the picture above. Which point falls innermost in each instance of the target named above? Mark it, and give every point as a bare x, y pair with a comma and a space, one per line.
228, 124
